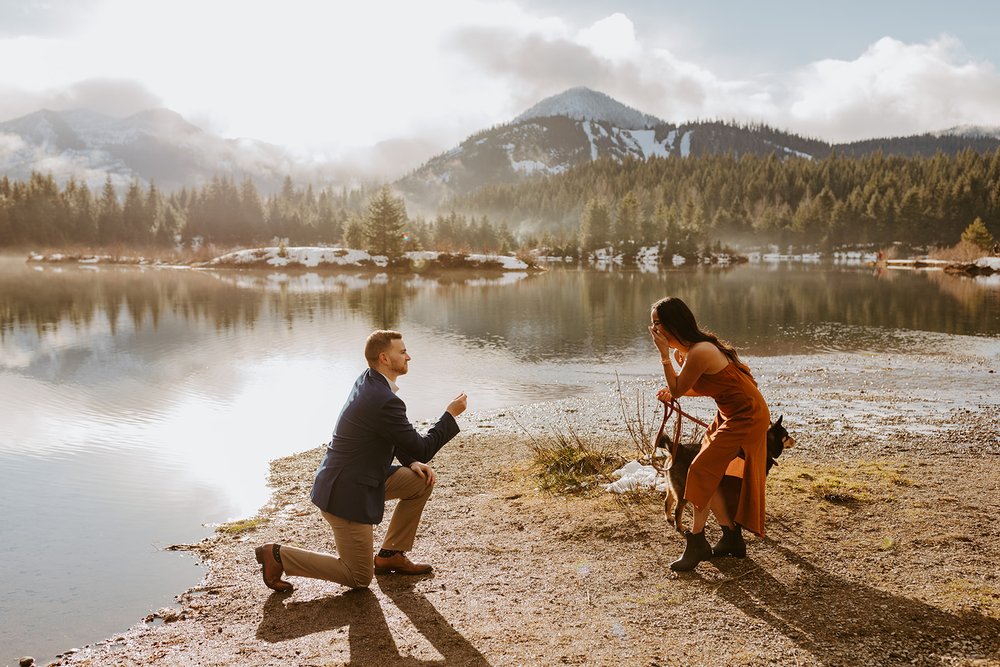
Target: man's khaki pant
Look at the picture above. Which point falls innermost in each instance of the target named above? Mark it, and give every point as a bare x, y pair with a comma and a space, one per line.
354, 567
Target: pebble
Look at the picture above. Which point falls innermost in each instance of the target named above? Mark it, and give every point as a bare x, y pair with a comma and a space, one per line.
26, 661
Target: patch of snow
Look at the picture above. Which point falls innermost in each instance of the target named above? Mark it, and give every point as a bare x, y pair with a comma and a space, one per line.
669, 141
590, 138
304, 256
633, 475
423, 255
678, 260
796, 153
686, 143
313, 256
789, 151
533, 166
854, 257
989, 262
648, 259
506, 261
645, 140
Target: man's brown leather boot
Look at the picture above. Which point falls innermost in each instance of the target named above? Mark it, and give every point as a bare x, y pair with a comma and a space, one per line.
271, 568
400, 564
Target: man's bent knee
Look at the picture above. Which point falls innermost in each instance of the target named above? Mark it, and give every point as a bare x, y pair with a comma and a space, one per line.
362, 577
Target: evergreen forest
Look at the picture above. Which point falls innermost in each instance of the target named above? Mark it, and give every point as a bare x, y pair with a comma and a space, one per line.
687, 203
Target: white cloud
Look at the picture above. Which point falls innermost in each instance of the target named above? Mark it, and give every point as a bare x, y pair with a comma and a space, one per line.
612, 38
891, 89
333, 79
118, 98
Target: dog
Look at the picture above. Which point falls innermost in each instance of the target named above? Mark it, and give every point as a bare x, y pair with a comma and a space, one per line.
673, 505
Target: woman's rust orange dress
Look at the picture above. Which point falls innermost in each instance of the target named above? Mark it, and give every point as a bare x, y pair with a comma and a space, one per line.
740, 425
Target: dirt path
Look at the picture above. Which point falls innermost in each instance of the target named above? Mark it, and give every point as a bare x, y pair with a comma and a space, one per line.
882, 549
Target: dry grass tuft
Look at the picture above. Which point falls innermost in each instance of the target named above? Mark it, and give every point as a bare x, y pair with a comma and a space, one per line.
565, 463
242, 526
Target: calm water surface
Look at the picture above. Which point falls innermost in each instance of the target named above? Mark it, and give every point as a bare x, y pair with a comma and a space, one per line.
140, 406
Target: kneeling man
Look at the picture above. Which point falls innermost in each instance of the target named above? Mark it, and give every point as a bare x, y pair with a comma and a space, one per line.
357, 476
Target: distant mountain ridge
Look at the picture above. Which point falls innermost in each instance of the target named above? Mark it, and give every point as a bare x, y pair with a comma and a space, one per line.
156, 145
560, 132
971, 131
581, 125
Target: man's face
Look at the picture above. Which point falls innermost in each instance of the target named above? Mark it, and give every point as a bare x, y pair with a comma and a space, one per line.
396, 357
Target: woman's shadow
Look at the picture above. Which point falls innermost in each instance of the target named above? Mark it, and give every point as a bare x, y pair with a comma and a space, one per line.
369, 638
843, 622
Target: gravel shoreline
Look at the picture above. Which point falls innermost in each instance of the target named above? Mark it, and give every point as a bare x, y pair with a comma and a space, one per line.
905, 573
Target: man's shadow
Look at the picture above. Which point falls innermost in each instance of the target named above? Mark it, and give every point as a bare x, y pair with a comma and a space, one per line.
369, 638
843, 622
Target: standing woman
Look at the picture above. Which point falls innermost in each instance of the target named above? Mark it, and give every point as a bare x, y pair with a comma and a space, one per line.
728, 474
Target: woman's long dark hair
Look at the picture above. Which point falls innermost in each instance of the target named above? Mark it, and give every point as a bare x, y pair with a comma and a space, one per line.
675, 316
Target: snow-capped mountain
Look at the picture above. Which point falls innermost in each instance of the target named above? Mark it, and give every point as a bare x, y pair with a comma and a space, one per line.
577, 126
582, 125
971, 131
585, 104
156, 145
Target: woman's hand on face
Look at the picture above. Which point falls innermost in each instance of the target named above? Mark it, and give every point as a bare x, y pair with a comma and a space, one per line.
665, 395
659, 339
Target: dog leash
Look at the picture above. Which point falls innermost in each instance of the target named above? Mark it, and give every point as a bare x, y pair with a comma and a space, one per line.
671, 408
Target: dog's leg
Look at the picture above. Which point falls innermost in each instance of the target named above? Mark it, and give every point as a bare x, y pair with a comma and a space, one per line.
668, 505
679, 516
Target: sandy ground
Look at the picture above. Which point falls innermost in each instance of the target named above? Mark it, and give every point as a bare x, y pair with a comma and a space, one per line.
882, 546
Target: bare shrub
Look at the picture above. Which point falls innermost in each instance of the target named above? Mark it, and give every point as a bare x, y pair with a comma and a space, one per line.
963, 251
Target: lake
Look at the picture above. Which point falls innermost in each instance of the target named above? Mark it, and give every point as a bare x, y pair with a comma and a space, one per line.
141, 406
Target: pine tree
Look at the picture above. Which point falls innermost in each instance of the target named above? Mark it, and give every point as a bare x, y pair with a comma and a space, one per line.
627, 220
595, 225
83, 221
109, 217
251, 211
384, 224
134, 219
978, 235
354, 233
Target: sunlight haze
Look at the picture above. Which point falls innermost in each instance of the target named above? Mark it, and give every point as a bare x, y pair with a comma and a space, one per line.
389, 84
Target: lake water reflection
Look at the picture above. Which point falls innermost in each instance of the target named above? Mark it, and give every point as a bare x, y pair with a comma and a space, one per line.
141, 404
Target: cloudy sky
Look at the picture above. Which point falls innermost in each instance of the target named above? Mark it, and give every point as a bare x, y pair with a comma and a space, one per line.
394, 82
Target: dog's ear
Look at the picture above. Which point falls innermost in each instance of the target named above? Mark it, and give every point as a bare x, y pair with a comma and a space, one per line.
780, 417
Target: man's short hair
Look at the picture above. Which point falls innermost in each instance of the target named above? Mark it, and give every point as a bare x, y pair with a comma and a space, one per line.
378, 342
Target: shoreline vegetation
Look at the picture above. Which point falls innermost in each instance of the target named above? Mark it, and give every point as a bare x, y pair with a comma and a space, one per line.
337, 258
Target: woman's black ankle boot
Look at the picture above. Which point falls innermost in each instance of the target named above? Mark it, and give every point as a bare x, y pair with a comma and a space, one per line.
697, 550
732, 543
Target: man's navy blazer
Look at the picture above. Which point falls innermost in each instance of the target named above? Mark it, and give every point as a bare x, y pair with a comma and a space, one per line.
371, 430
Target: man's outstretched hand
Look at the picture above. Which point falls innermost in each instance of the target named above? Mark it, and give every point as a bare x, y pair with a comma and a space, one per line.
457, 405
